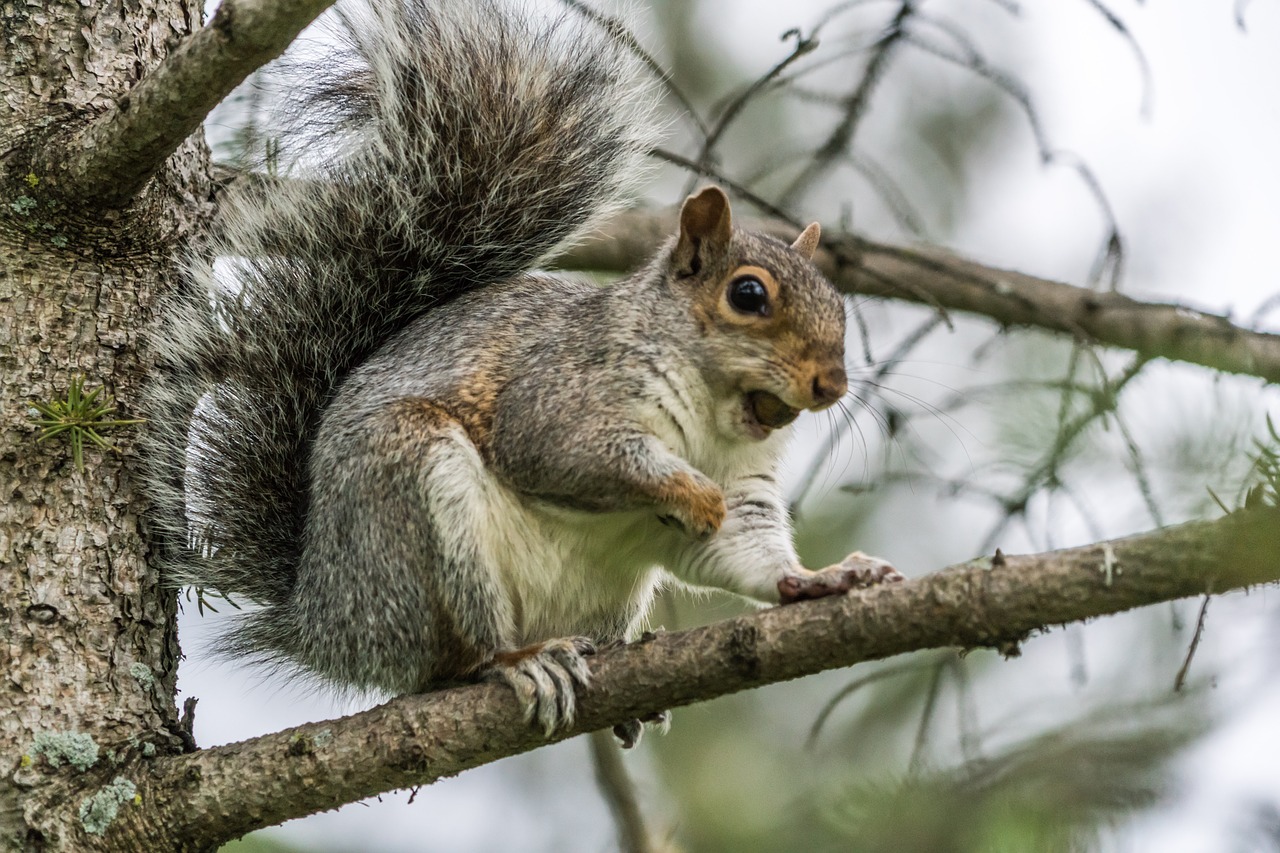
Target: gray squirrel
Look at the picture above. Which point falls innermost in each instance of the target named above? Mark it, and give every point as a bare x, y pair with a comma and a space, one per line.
428, 462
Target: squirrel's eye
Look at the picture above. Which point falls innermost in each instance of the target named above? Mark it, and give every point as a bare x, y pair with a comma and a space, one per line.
748, 295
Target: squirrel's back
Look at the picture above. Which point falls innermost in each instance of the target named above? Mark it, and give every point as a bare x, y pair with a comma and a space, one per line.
439, 148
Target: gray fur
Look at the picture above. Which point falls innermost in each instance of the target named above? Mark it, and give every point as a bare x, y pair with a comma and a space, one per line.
470, 141
331, 438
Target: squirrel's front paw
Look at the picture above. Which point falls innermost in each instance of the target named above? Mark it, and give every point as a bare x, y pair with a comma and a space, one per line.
694, 502
855, 571
545, 678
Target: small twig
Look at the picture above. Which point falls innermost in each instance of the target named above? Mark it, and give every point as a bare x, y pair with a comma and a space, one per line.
851, 688
1111, 257
804, 46
855, 108
620, 793
1181, 678
1104, 401
186, 729
738, 189
1241, 5
966, 708
618, 31
1144, 67
926, 717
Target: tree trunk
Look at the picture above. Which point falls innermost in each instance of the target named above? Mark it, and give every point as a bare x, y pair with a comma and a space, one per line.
90, 633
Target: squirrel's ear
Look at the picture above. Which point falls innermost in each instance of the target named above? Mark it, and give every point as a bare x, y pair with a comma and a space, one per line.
705, 228
807, 243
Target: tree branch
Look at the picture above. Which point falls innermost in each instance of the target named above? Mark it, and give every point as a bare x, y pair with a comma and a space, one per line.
620, 793
110, 160
199, 800
943, 280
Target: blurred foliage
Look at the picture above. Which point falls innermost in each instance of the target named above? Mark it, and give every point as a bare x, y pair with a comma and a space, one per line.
1266, 470
1049, 792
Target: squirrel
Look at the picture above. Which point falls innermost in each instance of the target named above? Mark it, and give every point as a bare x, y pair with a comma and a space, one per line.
426, 460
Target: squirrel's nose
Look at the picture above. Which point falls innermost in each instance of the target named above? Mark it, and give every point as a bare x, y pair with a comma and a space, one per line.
829, 385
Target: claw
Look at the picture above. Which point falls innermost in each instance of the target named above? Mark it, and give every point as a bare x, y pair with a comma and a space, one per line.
856, 571
543, 677
628, 733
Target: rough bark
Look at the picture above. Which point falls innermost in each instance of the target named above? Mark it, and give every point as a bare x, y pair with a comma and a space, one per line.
88, 630
109, 160
198, 800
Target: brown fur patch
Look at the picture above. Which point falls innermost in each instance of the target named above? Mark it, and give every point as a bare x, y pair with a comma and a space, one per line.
474, 405
514, 657
702, 504
408, 422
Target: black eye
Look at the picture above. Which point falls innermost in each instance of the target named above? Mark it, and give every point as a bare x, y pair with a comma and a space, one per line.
748, 295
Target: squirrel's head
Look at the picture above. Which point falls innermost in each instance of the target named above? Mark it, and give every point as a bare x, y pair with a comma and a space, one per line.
772, 326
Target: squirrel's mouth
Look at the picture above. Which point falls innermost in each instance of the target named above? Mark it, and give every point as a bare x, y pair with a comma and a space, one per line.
765, 412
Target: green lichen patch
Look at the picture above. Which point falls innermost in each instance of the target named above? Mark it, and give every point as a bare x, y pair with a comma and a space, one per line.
98, 812
23, 205
305, 744
142, 673
35, 212
58, 748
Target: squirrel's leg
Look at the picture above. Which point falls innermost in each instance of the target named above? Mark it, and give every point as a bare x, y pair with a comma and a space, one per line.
753, 554
400, 583
544, 676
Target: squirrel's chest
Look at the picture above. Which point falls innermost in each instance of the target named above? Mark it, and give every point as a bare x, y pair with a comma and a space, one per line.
679, 409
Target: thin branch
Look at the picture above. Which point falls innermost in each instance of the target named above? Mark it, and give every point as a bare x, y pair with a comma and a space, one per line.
619, 32
1180, 681
1102, 403
850, 689
855, 108
936, 277
1241, 5
110, 161
804, 46
926, 717
620, 793
1144, 67
199, 800
1111, 257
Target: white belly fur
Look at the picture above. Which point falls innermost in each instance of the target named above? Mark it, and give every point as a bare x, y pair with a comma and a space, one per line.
562, 569
567, 570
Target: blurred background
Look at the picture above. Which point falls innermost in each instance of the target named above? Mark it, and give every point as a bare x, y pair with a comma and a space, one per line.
1123, 145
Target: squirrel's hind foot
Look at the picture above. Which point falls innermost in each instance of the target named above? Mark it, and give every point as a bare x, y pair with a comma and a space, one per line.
628, 733
545, 678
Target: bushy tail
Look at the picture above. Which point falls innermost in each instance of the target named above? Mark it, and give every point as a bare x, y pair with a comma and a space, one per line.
445, 145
